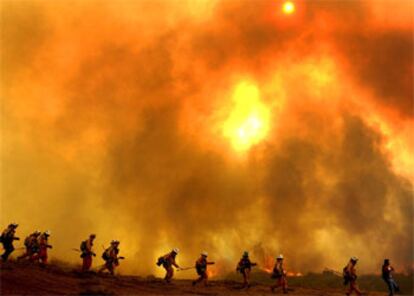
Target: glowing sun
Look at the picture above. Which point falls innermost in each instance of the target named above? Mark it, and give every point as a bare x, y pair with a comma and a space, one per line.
288, 7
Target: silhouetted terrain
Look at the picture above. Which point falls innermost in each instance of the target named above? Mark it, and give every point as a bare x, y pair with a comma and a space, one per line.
61, 279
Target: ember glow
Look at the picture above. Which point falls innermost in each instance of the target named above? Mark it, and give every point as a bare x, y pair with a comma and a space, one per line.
277, 127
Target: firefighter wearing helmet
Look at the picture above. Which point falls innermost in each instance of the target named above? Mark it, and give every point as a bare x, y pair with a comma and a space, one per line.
168, 261
7, 238
244, 267
201, 268
43, 244
110, 256
87, 252
31, 244
279, 274
350, 277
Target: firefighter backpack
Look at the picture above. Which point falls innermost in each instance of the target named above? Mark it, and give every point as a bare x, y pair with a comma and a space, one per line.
83, 246
105, 255
160, 261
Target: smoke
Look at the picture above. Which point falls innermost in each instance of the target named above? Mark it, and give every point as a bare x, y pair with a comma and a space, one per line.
112, 118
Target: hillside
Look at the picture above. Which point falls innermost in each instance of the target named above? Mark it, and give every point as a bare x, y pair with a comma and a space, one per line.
25, 279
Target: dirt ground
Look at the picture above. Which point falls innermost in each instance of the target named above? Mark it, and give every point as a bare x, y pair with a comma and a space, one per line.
26, 279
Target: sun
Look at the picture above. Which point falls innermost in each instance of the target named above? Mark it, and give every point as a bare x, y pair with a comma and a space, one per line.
248, 121
288, 7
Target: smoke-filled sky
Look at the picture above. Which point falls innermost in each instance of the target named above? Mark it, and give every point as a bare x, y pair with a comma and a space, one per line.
211, 125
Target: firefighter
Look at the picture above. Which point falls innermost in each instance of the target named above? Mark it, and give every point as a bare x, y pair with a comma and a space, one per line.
43, 244
244, 267
31, 245
350, 277
168, 261
201, 268
279, 274
7, 238
110, 255
387, 271
87, 253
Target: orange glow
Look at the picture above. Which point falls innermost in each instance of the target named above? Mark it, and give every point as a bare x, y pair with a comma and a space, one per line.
398, 143
268, 268
248, 122
225, 111
268, 264
294, 274
212, 272
288, 7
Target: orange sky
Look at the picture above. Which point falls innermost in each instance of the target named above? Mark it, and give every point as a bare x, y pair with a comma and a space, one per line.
221, 125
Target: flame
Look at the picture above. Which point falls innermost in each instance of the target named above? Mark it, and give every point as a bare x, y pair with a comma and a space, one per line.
248, 122
268, 264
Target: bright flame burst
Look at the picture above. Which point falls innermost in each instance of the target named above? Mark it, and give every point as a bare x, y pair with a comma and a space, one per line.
288, 7
248, 122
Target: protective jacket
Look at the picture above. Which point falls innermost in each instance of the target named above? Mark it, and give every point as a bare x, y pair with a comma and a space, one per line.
245, 264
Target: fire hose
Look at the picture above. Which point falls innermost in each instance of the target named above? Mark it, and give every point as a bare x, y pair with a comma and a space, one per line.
185, 268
